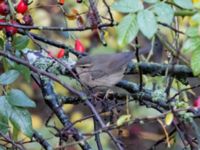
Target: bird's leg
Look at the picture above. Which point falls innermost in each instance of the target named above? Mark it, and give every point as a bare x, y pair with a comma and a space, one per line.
108, 92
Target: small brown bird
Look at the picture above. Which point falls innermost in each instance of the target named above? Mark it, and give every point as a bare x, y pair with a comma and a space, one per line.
103, 70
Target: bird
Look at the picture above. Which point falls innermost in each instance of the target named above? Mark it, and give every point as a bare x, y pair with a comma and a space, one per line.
104, 70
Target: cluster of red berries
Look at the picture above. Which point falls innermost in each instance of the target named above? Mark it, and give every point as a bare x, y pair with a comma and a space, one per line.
78, 46
21, 8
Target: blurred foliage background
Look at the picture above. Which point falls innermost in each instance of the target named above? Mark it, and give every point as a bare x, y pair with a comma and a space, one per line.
48, 13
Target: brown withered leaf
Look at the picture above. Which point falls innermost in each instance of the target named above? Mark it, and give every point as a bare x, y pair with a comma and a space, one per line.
80, 21
73, 15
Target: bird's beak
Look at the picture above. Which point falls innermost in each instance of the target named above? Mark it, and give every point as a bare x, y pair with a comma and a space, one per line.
84, 65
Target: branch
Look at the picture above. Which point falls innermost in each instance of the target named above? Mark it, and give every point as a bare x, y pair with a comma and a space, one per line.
27, 27
155, 69
42, 141
42, 72
53, 43
52, 101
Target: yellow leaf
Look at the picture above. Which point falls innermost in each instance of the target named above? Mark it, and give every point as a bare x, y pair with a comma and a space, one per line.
27, 89
75, 117
86, 125
36, 121
123, 119
59, 89
19, 17
24, 137
68, 107
169, 118
195, 1
106, 34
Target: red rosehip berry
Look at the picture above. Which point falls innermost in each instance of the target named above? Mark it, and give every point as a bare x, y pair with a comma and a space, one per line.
4, 8
61, 2
28, 20
79, 46
1, 21
22, 6
10, 30
197, 102
61, 53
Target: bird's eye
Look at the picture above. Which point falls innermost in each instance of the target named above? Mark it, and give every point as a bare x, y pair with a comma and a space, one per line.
84, 67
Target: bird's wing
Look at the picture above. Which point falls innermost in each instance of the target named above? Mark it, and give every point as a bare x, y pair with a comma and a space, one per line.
96, 74
112, 64
120, 61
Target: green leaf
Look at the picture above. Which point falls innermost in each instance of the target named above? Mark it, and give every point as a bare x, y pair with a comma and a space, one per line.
21, 120
169, 118
191, 45
20, 42
164, 13
195, 63
9, 77
196, 18
123, 119
2, 148
187, 4
127, 29
4, 113
127, 6
4, 124
1, 43
150, 1
25, 71
196, 5
192, 32
19, 117
4, 107
18, 98
147, 23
